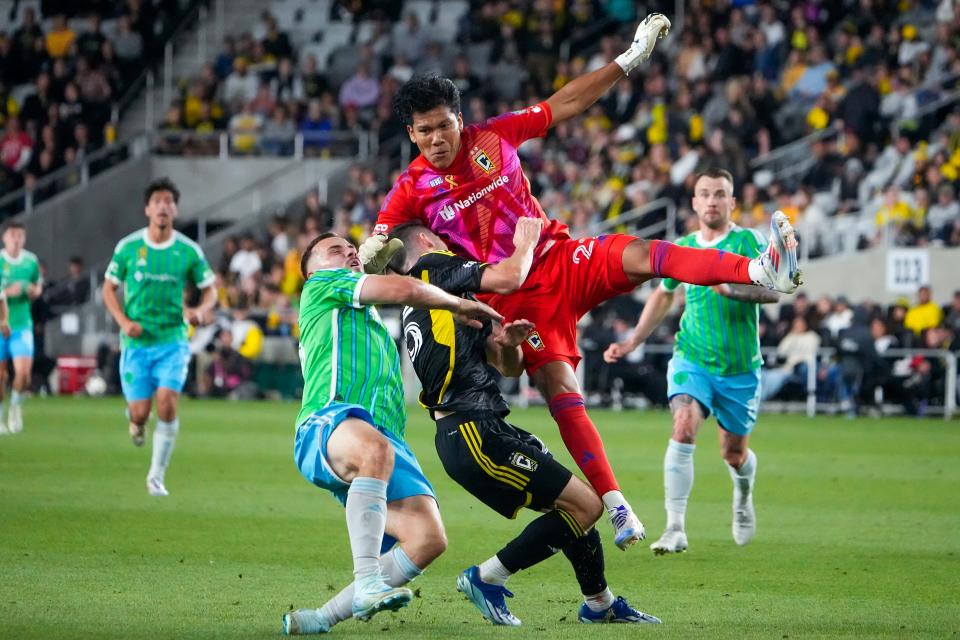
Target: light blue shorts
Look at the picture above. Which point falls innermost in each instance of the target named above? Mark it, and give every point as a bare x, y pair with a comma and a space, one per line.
145, 369
18, 345
734, 399
310, 454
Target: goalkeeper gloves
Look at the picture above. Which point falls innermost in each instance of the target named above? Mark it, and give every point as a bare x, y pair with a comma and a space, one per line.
376, 251
653, 27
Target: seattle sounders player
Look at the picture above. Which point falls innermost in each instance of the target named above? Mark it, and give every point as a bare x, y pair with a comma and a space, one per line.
716, 360
154, 265
22, 284
349, 437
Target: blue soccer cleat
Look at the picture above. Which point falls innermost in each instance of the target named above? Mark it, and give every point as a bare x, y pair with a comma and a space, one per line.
303, 622
488, 598
619, 612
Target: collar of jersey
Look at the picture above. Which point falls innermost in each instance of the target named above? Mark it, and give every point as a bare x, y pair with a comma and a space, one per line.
163, 245
703, 243
11, 259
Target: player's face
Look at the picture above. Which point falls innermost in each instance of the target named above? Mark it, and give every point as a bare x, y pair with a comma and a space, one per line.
334, 253
13, 240
713, 201
437, 134
161, 209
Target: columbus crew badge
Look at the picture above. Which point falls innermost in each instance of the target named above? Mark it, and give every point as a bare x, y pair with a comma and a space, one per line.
521, 461
483, 160
534, 341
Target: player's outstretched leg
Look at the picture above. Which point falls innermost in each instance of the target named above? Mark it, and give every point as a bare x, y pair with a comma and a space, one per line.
776, 268
599, 604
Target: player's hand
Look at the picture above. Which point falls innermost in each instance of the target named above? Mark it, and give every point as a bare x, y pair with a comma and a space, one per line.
654, 27
527, 232
195, 317
34, 291
132, 329
5, 329
376, 251
472, 312
513, 333
14, 290
618, 350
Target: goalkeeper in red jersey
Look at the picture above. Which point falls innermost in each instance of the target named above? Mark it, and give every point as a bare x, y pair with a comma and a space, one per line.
468, 187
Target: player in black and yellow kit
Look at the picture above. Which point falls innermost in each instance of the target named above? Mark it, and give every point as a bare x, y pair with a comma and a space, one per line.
503, 466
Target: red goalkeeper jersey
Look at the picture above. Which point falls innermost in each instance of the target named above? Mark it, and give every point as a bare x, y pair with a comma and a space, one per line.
475, 202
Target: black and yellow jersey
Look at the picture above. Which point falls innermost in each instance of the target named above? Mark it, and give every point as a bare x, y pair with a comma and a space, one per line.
449, 357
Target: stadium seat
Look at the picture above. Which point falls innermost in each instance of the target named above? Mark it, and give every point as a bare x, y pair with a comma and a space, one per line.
422, 8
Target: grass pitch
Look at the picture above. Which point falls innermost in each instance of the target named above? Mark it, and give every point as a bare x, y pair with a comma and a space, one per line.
858, 533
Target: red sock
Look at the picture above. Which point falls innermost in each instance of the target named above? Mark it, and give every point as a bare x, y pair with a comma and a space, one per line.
583, 442
697, 266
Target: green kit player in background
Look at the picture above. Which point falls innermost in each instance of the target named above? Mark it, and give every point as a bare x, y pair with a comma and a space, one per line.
349, 437
22, 284
154, 266
716, 358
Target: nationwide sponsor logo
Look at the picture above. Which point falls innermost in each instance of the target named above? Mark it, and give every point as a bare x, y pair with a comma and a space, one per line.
534, 341
449, 211
483, 160
521, 461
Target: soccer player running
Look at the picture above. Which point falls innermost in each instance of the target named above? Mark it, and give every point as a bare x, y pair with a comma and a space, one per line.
467, 186
349, 437
154, 265
501, 465
22, 284
715, 366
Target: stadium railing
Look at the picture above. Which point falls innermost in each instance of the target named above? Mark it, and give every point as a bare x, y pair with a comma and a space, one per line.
226, 144
666, 227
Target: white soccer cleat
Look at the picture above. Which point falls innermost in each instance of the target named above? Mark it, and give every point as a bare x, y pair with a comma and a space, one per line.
372, 595
15, 418
672, 541
744, 519
303, 622
156, 489
778, 264
628, 530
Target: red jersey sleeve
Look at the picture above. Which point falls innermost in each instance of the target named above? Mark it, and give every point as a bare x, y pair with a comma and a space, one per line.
518, 126
397, 206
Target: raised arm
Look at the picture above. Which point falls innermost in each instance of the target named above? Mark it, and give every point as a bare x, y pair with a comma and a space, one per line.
420, 295
654, 311
508, 275
580, 93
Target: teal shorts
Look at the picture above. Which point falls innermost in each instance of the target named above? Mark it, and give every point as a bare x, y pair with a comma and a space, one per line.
733, 399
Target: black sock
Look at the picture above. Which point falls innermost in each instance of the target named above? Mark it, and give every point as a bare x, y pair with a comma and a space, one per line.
541, 539
586, 556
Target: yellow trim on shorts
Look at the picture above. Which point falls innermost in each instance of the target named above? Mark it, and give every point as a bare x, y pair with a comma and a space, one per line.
504, 474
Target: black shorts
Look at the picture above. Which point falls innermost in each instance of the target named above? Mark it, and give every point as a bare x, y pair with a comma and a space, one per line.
503, 466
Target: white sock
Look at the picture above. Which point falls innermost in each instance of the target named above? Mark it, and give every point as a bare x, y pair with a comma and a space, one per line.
677, 481
397, 570
756, 273
600, 601
613, 499
366, 520
16, 398
743, 478
492, 571
164, 437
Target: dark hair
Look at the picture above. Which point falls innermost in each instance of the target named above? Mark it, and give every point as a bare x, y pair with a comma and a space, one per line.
423, 93
14, 224
309, 250
715, 172
405, 232
161, 184
76, 260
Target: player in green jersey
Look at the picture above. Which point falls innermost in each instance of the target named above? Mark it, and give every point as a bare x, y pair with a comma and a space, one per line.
22, 284
349, 437
154, 266
716, 359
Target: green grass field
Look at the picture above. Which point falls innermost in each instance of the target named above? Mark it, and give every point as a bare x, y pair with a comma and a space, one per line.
859, 533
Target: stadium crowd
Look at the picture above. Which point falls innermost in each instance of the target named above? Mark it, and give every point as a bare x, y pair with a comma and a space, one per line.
61, 71
730, 86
